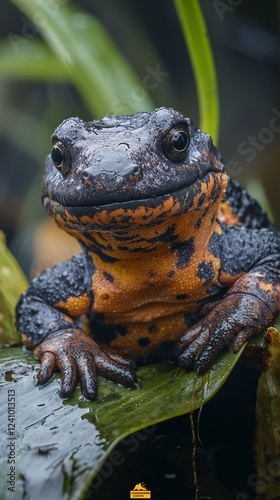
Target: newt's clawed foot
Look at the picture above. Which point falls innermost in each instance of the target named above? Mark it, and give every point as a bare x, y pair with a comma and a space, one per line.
77, 356
231, 323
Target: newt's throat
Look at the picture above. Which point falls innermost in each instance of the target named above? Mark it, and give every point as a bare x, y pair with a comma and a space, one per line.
142, 243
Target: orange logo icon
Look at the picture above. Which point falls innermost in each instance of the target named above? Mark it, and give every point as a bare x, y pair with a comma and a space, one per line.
140, 491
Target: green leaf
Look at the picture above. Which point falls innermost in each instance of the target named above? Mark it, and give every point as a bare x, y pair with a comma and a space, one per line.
88, 57
61, 446
198, 44
12, 284
23, 59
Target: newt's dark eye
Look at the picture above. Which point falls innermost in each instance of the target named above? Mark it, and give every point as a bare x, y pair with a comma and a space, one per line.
61, 158
175, 143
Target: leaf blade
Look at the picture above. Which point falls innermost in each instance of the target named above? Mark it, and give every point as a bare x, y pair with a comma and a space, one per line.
89, 58
198, 45
86, 432
34, 61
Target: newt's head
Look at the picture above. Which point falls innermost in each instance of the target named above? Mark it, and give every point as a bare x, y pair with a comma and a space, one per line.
140, 169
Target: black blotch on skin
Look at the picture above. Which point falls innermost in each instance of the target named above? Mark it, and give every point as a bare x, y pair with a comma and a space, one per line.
200, 220
92, 243
102, 334
181, 296
136, 249
201, 200
103, 256
144, 341
140, 249
206, 272
215, 244
153, 329
198, 223
171, 274
167, 237
122, 330
215, 289
185, 251
109, 277
125, 237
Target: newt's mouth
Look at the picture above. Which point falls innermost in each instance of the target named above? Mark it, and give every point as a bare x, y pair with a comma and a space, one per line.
143, 212
120, 199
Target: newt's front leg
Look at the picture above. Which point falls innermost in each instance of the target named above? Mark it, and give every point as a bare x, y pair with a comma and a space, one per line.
46, 315
249, 305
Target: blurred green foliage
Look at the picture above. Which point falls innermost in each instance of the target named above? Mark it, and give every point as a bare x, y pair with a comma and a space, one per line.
196, 36
12, 284
78, 49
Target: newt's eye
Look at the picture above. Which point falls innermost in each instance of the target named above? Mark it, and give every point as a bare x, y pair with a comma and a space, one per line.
175, 143
61, 158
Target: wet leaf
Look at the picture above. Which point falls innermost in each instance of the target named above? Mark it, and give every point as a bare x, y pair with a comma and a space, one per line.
61, 445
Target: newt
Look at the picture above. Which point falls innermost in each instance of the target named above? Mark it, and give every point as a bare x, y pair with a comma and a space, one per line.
178, 261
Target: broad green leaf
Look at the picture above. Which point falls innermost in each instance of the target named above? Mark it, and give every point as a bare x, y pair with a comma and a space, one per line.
88, 57
61, 445
12, 284
24, 59
198, 45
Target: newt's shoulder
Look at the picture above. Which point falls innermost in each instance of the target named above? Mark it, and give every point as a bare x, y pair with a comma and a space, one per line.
238, 208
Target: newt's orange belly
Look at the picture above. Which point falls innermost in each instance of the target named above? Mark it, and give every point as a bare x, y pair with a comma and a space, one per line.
136, 337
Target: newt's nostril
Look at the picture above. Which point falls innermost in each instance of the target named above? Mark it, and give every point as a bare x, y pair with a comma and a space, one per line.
87, 178
138, 171
135, 174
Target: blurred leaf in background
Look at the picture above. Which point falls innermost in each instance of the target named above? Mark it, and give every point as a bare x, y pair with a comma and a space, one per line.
78, 50
12, 284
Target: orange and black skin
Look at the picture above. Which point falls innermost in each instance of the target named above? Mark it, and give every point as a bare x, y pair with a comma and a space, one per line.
177, 261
